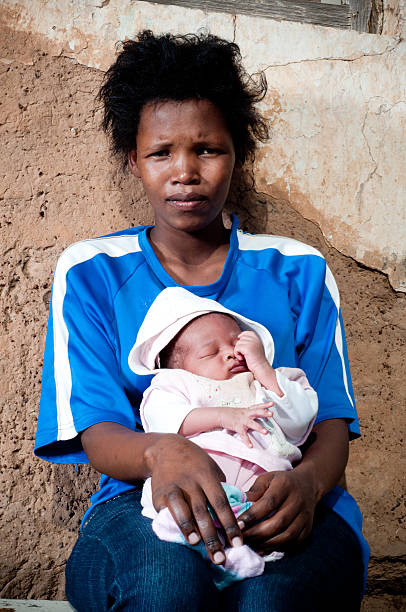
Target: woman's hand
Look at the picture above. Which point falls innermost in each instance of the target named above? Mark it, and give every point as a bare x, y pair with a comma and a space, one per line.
243, 420
185, 479
291, 499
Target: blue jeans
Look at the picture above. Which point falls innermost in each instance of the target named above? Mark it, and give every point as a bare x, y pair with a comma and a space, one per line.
118, 563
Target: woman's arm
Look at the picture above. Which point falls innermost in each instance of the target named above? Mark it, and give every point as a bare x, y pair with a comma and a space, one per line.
184, 478
293, 495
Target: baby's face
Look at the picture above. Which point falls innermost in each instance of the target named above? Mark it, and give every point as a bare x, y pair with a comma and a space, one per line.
207, 345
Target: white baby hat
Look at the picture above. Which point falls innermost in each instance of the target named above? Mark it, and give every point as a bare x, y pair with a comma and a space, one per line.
171, 310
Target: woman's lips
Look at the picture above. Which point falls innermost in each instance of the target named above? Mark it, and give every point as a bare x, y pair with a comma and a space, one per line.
187, 200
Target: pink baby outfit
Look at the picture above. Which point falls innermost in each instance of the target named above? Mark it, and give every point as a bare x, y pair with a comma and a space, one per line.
173, 393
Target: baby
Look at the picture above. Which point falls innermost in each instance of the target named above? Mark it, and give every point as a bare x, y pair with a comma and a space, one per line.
214, 383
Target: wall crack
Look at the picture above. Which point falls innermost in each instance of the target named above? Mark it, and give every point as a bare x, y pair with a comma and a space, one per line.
336, 59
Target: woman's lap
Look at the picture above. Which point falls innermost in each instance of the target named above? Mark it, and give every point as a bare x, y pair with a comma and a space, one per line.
325, 574
118, 563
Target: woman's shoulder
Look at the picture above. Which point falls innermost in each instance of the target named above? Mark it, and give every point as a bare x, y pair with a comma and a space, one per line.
85, 252
110, 244
283, 244
286, 260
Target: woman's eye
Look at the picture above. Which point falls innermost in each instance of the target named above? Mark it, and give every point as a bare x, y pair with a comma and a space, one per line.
208, 151
161, 153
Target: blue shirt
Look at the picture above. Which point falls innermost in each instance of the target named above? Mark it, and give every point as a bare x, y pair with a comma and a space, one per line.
101, 292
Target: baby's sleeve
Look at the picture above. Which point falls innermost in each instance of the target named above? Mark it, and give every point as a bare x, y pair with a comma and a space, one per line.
165, 403
294, 412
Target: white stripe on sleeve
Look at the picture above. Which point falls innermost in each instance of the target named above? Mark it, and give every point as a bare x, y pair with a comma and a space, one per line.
114, 246
290, 247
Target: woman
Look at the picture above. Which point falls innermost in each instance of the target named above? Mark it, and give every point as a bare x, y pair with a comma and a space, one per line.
180, 111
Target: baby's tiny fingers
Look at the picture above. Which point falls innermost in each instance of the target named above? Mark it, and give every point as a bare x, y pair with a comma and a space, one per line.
257, 426
264, 406
246, 439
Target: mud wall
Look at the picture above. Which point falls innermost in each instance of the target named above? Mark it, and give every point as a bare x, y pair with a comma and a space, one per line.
331, 176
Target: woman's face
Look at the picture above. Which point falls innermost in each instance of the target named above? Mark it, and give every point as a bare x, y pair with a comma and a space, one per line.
185, 158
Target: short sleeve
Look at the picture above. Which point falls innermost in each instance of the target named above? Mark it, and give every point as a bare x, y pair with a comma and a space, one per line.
321, 348
81, 383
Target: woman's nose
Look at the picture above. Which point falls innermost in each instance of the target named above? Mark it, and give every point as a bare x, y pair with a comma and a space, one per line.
185, 171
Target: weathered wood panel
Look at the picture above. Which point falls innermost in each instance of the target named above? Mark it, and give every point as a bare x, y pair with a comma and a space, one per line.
360, 14
347, 16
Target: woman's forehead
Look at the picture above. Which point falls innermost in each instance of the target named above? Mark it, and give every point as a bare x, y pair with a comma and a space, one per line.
162, 119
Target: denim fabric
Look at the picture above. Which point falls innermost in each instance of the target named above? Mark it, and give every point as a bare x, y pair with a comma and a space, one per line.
118, 563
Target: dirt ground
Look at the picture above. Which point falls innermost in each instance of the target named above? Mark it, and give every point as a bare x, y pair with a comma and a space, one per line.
58, 185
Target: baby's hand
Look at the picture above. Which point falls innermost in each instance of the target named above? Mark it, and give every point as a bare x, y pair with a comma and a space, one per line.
243, 420
250, 348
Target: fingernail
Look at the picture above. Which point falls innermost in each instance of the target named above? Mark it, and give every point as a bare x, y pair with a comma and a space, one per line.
193, 538
236, 542
241, 524
218, 557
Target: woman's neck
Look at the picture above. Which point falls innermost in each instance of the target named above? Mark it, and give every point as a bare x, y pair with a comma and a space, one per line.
195, 258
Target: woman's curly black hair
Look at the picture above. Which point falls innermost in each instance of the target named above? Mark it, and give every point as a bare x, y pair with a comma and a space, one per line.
182, 67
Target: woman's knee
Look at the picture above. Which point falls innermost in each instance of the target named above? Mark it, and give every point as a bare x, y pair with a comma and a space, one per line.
118, 563
281, 592
174, 579
89, 573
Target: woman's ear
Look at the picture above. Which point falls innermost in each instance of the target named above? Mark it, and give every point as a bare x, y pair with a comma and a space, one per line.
132, 162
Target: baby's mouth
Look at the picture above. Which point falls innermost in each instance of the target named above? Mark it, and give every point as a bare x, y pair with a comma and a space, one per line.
239, 366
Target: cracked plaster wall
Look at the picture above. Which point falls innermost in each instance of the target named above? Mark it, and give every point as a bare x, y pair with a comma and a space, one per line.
331, 176
336, 104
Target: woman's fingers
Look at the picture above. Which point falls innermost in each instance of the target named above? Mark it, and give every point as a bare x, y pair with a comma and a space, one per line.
180, 511
282, 513
291, 535
187, 481
266, 499
195, 522
191, 513
208, 532
225, 516
273, 526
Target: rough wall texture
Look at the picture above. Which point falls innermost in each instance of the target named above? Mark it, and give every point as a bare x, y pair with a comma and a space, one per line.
58, 185
336, 104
